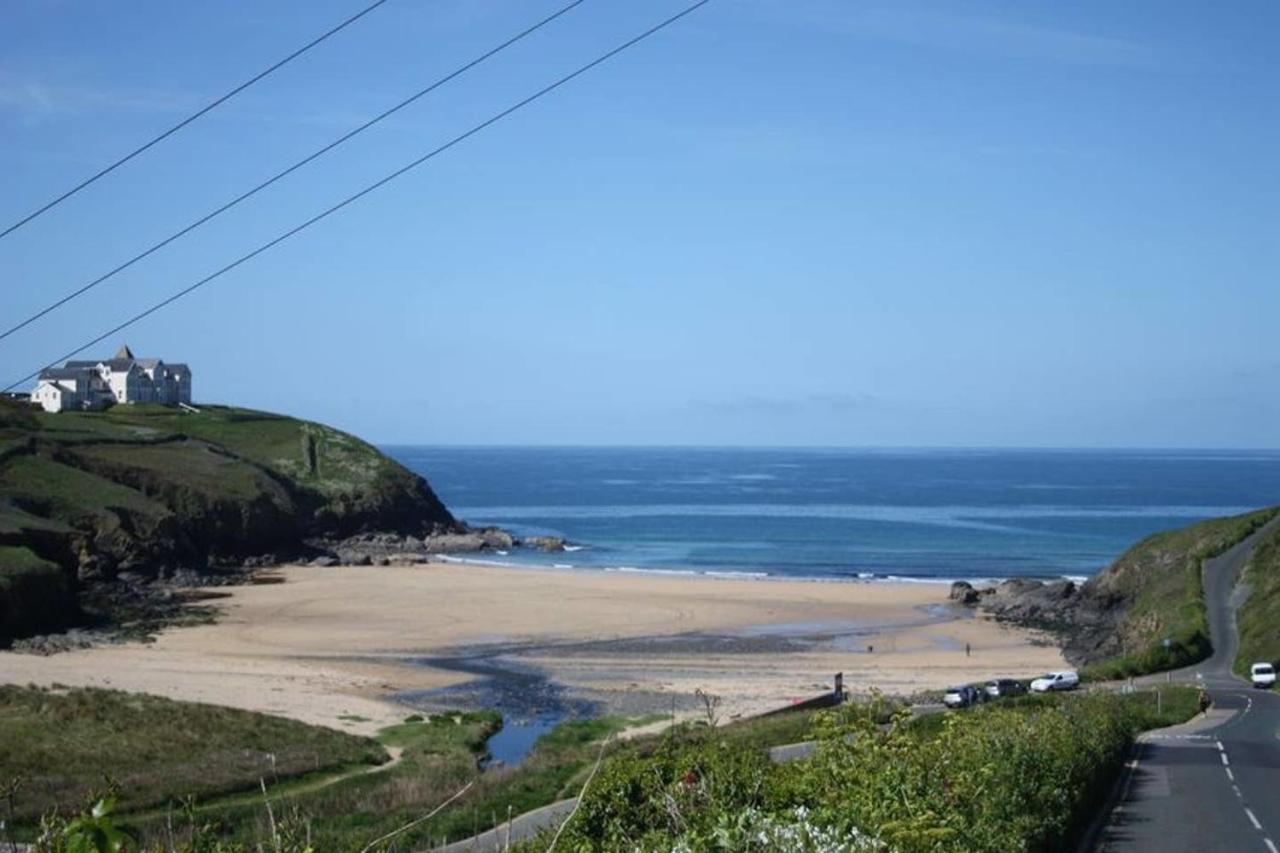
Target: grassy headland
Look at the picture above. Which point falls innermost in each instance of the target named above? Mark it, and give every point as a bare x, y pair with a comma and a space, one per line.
1160, 579
151, 490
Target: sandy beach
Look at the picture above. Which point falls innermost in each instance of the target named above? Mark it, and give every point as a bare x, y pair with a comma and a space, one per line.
346, 646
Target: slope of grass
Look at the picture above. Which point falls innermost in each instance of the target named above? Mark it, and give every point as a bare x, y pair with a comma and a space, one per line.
1161, 577
63, 746
1258, 619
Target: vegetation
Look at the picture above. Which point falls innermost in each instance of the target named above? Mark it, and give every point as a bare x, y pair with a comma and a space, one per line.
1013, 775
1018, 774
35, 594
1161, 578
64, 746
1258, 619
150, 489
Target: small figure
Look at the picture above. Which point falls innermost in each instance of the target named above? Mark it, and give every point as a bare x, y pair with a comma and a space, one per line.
966, 649
870, 648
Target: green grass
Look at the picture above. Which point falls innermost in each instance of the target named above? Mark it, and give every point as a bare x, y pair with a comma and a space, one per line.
1258, 619
1161, 576
67, 493
64, 745
441, 754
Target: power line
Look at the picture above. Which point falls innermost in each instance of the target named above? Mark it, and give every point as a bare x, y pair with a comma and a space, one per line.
546, 90
186, 121
298, 165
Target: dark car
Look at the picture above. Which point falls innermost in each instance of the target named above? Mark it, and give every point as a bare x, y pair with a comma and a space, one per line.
999, 687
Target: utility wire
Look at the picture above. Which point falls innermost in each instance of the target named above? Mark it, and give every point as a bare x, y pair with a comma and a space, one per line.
494, 119
186, 121
298, 165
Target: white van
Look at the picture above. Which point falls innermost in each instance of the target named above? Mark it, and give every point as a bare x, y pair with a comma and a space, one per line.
1065, 680
1262, 675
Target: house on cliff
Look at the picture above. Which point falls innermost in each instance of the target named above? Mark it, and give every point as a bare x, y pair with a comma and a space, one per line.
122, 379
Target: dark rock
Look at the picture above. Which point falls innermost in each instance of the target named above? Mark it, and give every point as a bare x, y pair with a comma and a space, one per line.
963, 592
550, 544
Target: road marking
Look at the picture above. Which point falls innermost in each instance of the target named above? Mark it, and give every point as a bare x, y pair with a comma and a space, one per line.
1270, 846
1223, 756
1253, 820
1230, 775
1221, 748
1236, 788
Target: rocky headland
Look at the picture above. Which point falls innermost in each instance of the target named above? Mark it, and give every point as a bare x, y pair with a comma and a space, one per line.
1144, 612
105, 516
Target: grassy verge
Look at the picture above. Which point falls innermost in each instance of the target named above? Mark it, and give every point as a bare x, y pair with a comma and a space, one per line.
1258, 619
59, 748
1161, 576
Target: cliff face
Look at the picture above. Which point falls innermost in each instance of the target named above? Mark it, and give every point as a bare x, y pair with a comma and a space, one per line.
151, 491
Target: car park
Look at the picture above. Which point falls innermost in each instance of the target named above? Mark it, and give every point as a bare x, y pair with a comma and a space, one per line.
1262, 675
1065, 680
998, 688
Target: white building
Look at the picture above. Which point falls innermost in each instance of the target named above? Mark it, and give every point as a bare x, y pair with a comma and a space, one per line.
123, 379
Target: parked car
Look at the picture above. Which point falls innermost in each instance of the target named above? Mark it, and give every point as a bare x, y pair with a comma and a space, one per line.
961, 697
998, 687
1262, 675
1065, 680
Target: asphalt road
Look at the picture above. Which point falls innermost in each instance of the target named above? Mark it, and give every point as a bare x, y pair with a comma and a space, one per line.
1213, 784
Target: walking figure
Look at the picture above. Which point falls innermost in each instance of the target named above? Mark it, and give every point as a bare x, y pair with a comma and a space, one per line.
966, 649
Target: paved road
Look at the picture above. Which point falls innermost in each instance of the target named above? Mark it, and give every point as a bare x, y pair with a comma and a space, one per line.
1214, 784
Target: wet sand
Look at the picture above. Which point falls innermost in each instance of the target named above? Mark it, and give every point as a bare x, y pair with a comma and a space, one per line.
345, 646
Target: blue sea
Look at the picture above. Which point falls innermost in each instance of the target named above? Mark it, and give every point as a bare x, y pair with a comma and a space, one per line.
838, 513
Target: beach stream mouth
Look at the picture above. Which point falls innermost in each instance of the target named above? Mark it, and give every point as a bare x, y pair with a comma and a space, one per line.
531, 704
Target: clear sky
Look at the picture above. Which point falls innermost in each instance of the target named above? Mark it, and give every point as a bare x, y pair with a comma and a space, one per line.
780, 222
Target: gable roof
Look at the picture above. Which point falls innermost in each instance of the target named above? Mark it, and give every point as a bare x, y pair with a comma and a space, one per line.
62, 373
124, 352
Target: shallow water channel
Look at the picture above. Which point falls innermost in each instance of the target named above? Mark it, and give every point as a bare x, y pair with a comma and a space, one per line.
531, 705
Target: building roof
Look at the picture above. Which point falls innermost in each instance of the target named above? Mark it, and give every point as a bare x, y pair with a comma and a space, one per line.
81, 364
121, 364
178, 366
124, 352
148, 363
62, 373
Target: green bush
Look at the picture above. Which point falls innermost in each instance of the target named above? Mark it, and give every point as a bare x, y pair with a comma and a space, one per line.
1020, 775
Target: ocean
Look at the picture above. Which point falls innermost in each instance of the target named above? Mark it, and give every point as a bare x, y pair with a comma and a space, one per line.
926, 515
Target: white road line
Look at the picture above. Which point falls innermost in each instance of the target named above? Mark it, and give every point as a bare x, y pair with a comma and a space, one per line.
1236, 788
1221, 748
1225, 762
1230, 775
1253, 820
1270, 846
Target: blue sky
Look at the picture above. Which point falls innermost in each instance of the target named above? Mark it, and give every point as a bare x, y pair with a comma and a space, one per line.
780, 222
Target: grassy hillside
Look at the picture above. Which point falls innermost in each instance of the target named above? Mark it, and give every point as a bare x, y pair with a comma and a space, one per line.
1158, 584
151, 489
59, 748
1259, 617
